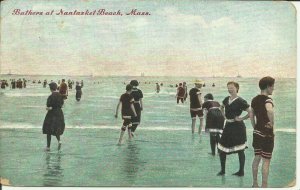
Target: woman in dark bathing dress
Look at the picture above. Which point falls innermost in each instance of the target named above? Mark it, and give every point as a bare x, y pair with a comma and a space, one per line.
78, 91
54, 123
234, 138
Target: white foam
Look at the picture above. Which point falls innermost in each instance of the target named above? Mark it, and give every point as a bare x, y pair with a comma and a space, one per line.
26, 94
28, 106
286, 130
113, 97
7, 125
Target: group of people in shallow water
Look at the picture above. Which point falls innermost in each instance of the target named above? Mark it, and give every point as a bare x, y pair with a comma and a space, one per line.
223, 121
54, 122
19, 83
227, 129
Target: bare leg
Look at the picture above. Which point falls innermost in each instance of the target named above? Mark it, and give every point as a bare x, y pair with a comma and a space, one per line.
59, 143
48, 141
265, 172
122, 134
200, 126
193, 125
255, 165
129, 133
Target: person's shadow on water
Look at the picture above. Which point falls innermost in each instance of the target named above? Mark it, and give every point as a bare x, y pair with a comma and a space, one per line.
53, 175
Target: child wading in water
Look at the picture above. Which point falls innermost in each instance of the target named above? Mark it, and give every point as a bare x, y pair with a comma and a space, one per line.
214, 120
54, 123
128, 111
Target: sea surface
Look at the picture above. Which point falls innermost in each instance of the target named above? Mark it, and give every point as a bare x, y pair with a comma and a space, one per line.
163, 152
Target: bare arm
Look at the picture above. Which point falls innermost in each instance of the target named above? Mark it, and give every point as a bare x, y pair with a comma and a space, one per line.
117, 110
249, 114
200, 99
141, 102
270, 113
133, 109
252, 118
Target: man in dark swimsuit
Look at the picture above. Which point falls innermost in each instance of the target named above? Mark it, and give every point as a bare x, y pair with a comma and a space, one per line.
262, 121
128, 111
196, 105
63, 89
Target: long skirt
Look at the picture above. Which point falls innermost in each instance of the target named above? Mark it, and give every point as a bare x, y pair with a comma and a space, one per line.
54, 123
233, 138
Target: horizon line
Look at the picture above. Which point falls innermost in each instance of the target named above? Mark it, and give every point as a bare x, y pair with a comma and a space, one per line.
137, 76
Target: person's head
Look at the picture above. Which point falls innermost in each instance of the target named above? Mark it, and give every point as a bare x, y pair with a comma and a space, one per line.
267, 84
180, 84
233, 87
134, 83
53, 86
128, 87
184, 83
63, 80
208, 96
199, 83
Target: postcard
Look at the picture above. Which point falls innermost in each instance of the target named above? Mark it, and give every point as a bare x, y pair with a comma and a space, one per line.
131, 93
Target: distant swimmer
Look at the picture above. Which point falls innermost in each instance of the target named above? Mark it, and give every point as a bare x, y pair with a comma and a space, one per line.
13, 84
128, 112
24, 82
185, 90
70, 84
214, 120
78, 89
180, 93
203, 84
138, 104
45, 83
157, 88
54, 123
196, 105
63, 89
161, 84
4, 84
213, 85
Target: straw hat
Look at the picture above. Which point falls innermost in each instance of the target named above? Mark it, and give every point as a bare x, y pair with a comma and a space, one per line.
199, 82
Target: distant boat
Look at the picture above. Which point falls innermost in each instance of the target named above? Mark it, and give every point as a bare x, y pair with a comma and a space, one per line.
239, 76
142, 74
9, 73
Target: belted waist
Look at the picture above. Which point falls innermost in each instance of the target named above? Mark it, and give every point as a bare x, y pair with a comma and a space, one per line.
214, 108
230, 120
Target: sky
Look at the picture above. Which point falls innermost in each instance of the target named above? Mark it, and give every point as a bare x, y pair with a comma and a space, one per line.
191, 38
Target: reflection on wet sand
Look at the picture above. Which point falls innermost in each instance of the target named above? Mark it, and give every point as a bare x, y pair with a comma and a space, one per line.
132, 163
53, 172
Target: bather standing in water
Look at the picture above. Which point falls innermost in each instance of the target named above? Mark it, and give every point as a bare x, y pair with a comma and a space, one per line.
54, 123
138, 104
214, 120
78, 91
128, 112
63, 89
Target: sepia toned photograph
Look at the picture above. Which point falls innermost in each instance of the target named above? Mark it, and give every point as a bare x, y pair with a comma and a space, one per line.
97, 93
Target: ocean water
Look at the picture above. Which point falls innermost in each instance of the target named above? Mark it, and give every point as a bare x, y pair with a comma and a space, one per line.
163, 153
